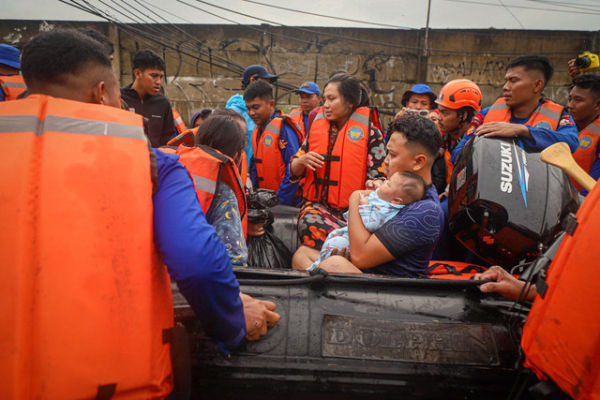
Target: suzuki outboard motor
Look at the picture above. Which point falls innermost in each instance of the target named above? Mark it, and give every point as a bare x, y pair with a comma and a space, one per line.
505, 204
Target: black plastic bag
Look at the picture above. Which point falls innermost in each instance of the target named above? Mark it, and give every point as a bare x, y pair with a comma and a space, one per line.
265, 251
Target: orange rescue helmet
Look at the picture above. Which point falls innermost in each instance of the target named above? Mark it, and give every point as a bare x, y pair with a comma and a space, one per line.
460, 93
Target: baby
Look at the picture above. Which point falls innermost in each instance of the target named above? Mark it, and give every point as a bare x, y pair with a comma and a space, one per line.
401, 189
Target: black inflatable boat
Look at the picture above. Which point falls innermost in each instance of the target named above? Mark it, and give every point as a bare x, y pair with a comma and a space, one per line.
372, 336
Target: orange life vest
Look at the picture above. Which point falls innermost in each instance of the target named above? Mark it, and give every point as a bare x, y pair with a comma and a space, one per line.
179, 124
547, 115
345, 168
297, 115
587, 152
561, 338
12, 86
86, 302
187, 138
208, 168
454, 270
270, 167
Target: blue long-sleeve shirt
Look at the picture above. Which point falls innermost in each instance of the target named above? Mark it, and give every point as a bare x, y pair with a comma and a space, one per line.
195, 257
595, 170
237, 103
541, 137
288, 146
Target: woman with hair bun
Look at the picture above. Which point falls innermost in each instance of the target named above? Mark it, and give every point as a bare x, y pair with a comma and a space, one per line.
342, 150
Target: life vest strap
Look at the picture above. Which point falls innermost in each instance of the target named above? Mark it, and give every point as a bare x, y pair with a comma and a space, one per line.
106, 392
329, 157
451, 269
258, 160
323, 181
167, 336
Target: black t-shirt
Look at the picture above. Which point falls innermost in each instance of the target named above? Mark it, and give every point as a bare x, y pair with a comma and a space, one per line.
157, 113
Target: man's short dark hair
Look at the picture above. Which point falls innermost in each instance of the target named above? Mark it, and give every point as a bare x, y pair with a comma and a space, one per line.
94, 34
258, 89
537, 63
419, 130
145, 59
466, 114
591, 82
50, 56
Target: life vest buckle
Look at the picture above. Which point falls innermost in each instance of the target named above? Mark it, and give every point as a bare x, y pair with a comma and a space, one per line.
570, 223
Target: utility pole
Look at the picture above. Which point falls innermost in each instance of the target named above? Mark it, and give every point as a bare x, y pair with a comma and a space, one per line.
424, 58
426, 46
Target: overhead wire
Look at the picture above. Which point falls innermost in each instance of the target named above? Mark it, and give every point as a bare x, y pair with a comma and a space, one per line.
321, 33
578, 6
349, 38
366, 22
149, 37
93, 10
329, 16
521, 7
512, 14
237, 70
185, 33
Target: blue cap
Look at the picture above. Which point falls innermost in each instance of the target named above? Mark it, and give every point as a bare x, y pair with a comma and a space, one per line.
256, 71
309, 87
419, 88
10, 56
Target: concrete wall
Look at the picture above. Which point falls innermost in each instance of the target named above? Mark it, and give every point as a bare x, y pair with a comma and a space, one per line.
204, 62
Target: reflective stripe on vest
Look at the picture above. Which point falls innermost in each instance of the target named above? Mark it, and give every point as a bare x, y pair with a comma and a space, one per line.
208, 168
12, 86
187, 137
345, 168
52, 123
179, 124
270, 167
204, 184
548, 114
81, 277
587, 152
297, 115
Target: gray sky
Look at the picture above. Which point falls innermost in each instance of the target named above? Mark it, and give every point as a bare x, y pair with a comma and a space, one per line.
500, 14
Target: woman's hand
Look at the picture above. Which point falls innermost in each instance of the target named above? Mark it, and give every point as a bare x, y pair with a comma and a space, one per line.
312, 160
256, 229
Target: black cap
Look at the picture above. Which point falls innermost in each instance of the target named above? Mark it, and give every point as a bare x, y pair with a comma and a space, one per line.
256, 71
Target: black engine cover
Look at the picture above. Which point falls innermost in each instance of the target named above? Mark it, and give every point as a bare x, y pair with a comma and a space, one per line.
505, 204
